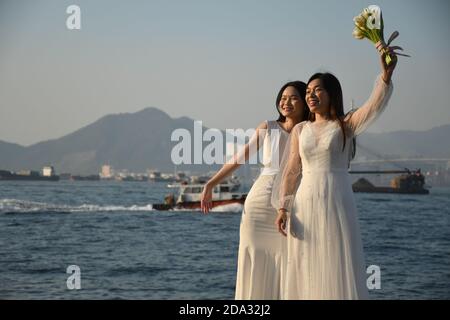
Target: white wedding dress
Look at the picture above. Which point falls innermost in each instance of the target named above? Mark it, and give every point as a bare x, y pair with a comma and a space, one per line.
262, 249
324, 249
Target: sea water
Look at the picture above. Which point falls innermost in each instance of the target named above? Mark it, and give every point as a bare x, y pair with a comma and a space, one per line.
126, 250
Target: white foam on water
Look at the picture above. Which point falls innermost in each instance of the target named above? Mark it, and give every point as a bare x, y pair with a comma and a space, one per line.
24, 206
232, 207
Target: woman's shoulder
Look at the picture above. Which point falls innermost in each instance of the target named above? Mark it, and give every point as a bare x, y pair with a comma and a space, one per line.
300, 125
263, 125
346, 117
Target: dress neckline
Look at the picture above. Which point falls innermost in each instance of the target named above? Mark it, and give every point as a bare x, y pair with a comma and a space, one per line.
322, 124
283, 129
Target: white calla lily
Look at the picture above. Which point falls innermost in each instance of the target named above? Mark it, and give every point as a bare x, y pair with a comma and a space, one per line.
369, 25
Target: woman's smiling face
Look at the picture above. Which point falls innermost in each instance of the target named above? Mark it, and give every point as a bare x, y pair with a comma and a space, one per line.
291, 104
317, 97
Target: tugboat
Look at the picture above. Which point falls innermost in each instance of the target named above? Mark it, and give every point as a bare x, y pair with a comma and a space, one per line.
190, 194
409, 182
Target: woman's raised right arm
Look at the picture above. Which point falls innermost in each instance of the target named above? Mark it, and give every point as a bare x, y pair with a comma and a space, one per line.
231, 165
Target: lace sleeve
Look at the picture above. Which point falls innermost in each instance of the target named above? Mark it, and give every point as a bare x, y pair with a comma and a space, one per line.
359, 120
288, 178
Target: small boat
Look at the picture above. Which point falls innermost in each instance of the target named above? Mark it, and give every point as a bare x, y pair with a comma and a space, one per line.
190, 194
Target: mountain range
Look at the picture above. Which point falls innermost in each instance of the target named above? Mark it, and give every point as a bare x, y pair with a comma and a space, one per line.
142, 140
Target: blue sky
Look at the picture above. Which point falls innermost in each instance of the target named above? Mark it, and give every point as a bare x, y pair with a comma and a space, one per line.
221, 62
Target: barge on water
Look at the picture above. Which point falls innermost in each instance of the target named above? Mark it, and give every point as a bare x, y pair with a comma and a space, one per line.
408, 182
30, 175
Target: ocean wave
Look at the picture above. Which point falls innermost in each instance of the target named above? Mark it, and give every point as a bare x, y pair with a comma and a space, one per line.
10, 206
227, 208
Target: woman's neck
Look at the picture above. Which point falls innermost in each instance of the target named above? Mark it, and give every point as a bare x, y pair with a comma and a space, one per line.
289, 123
321, 117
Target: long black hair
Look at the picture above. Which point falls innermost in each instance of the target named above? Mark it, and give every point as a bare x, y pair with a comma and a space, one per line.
301, 89
333, 87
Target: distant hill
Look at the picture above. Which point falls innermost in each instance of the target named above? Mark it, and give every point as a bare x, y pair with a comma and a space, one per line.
139, 141
9, 153
134, 141
433, 143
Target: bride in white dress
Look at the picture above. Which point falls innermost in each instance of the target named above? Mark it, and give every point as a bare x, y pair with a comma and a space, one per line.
325, 252
262, 250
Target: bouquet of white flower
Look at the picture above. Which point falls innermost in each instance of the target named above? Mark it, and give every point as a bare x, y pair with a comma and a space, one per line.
369, 24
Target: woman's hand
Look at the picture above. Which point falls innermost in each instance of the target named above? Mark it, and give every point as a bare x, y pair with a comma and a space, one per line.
206, 199
280, 221
388, 69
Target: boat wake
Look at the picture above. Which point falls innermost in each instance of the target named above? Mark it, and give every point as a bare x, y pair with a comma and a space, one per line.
226, 208
232, 207
22, 206
12, 206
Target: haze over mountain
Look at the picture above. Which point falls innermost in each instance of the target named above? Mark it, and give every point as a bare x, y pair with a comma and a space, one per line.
142, 140
134, 141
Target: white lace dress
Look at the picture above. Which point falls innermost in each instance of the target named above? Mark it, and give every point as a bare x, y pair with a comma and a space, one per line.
262, 249
325, 252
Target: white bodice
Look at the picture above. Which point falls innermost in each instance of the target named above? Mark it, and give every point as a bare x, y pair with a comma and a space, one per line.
321, 147
275, 140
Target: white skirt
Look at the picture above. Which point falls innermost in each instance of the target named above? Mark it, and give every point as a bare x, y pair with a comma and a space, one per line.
325, 253
262, 249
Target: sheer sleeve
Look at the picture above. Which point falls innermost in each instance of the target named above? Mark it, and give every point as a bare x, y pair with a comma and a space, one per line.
360, 119
287, 180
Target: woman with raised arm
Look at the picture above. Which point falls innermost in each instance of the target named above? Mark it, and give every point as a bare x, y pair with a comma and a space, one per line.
325, 252
261, 256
